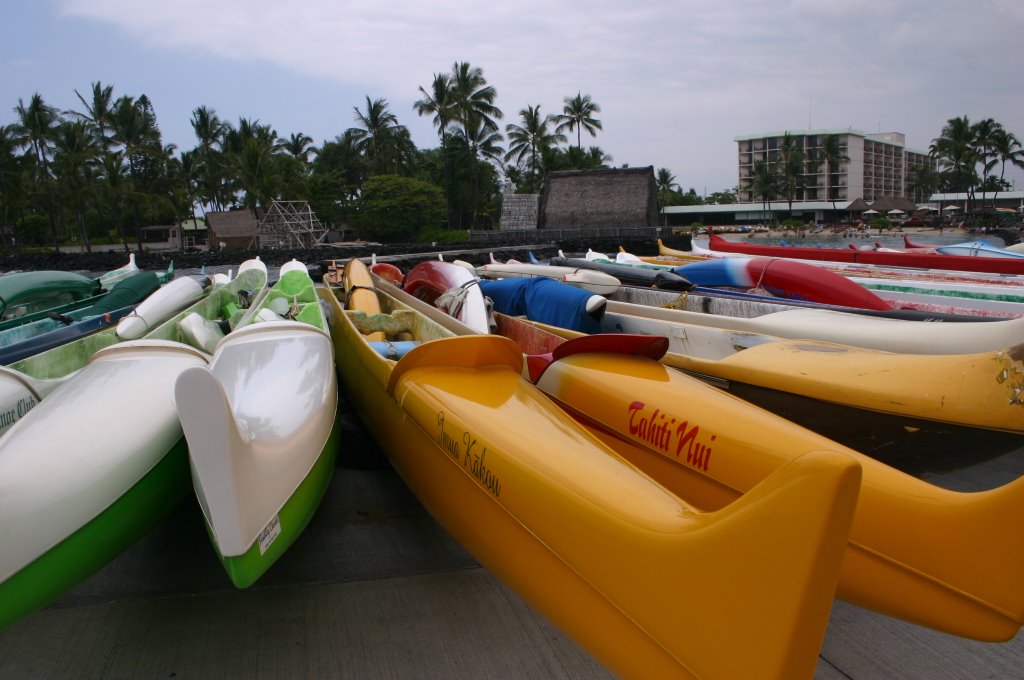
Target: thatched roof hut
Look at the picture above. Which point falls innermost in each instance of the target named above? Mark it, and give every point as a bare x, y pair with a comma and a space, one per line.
887, 203
599, 199
858, 205
236, 229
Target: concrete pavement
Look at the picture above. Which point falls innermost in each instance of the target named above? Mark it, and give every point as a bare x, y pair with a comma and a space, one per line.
375, 589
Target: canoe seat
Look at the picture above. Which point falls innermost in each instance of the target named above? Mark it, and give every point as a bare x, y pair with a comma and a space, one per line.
393, 324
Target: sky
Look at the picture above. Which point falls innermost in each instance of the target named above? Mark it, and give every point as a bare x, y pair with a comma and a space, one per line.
677, 81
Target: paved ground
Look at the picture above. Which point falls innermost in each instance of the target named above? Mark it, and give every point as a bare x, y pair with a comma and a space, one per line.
375, 589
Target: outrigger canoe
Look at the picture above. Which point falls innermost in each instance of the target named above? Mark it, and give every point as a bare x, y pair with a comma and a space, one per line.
980, 389
38, 336
93, 465
597, 282
632, 572
261, 425
938, 558
905, 336
1003, 265
973, 390
28, 380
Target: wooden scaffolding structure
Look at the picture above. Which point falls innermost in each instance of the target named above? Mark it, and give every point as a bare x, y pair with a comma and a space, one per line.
291, 225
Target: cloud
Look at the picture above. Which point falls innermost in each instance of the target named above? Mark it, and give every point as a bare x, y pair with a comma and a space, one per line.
675, 80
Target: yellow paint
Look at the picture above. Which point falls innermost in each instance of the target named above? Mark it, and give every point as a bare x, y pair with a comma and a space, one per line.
648, 584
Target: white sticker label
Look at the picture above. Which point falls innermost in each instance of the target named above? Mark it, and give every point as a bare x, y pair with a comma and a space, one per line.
269, 533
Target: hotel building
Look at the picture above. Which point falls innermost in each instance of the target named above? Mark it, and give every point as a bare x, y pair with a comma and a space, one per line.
879, 165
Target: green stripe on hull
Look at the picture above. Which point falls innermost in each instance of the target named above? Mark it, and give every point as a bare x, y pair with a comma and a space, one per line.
90, 548
246, 569
995, 297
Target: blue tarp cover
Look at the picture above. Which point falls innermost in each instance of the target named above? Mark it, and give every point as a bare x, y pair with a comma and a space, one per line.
543, 300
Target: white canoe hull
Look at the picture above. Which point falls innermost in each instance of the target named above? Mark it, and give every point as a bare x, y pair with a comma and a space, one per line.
590, 280
857, 330
86, 445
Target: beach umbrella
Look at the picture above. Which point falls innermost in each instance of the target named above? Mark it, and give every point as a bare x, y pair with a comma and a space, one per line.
870, 211
952, 207
895, 211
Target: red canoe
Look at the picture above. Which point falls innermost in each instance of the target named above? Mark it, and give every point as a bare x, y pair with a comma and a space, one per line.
889, 259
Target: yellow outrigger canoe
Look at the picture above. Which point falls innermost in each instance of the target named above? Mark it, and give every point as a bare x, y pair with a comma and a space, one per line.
649, 585
943, 559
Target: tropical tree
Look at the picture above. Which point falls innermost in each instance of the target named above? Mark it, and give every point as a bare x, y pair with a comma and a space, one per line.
474, 108
575, 158
209, 131
98, 111
578, 114
957, 156
791, 161
832, 155
528, 142
250, 158
299, 146
378, 134
439, 102
11, 189
983, 132
764, 182
115, 184
397, 208
34, 129
923, 181
666, 186
1006, 148
75, 149
133, 128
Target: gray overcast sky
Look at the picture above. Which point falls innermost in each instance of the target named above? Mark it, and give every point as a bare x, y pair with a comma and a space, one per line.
676, 80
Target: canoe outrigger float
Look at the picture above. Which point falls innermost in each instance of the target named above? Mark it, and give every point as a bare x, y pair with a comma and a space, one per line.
650, 586
91, 467
943, 559
261, 425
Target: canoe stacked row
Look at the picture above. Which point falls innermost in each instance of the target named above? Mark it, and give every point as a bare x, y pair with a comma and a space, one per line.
592, 449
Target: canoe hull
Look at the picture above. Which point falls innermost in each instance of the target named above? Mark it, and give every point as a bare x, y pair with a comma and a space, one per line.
452, 416
63, 492
261, 423
903, 259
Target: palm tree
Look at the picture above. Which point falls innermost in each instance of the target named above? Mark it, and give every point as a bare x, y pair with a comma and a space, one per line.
209, 131
34, 128
956, 154
440, 102
791, 158
983, 132
134, 129
530, 140
923, 181
665, 184
75, 150
9, 171
473, 106
98, 110
116, 184
832, 155
764, 182
299, 146
1006, 148
256, 172
480, 140
575, 158
378, 127
578, 114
